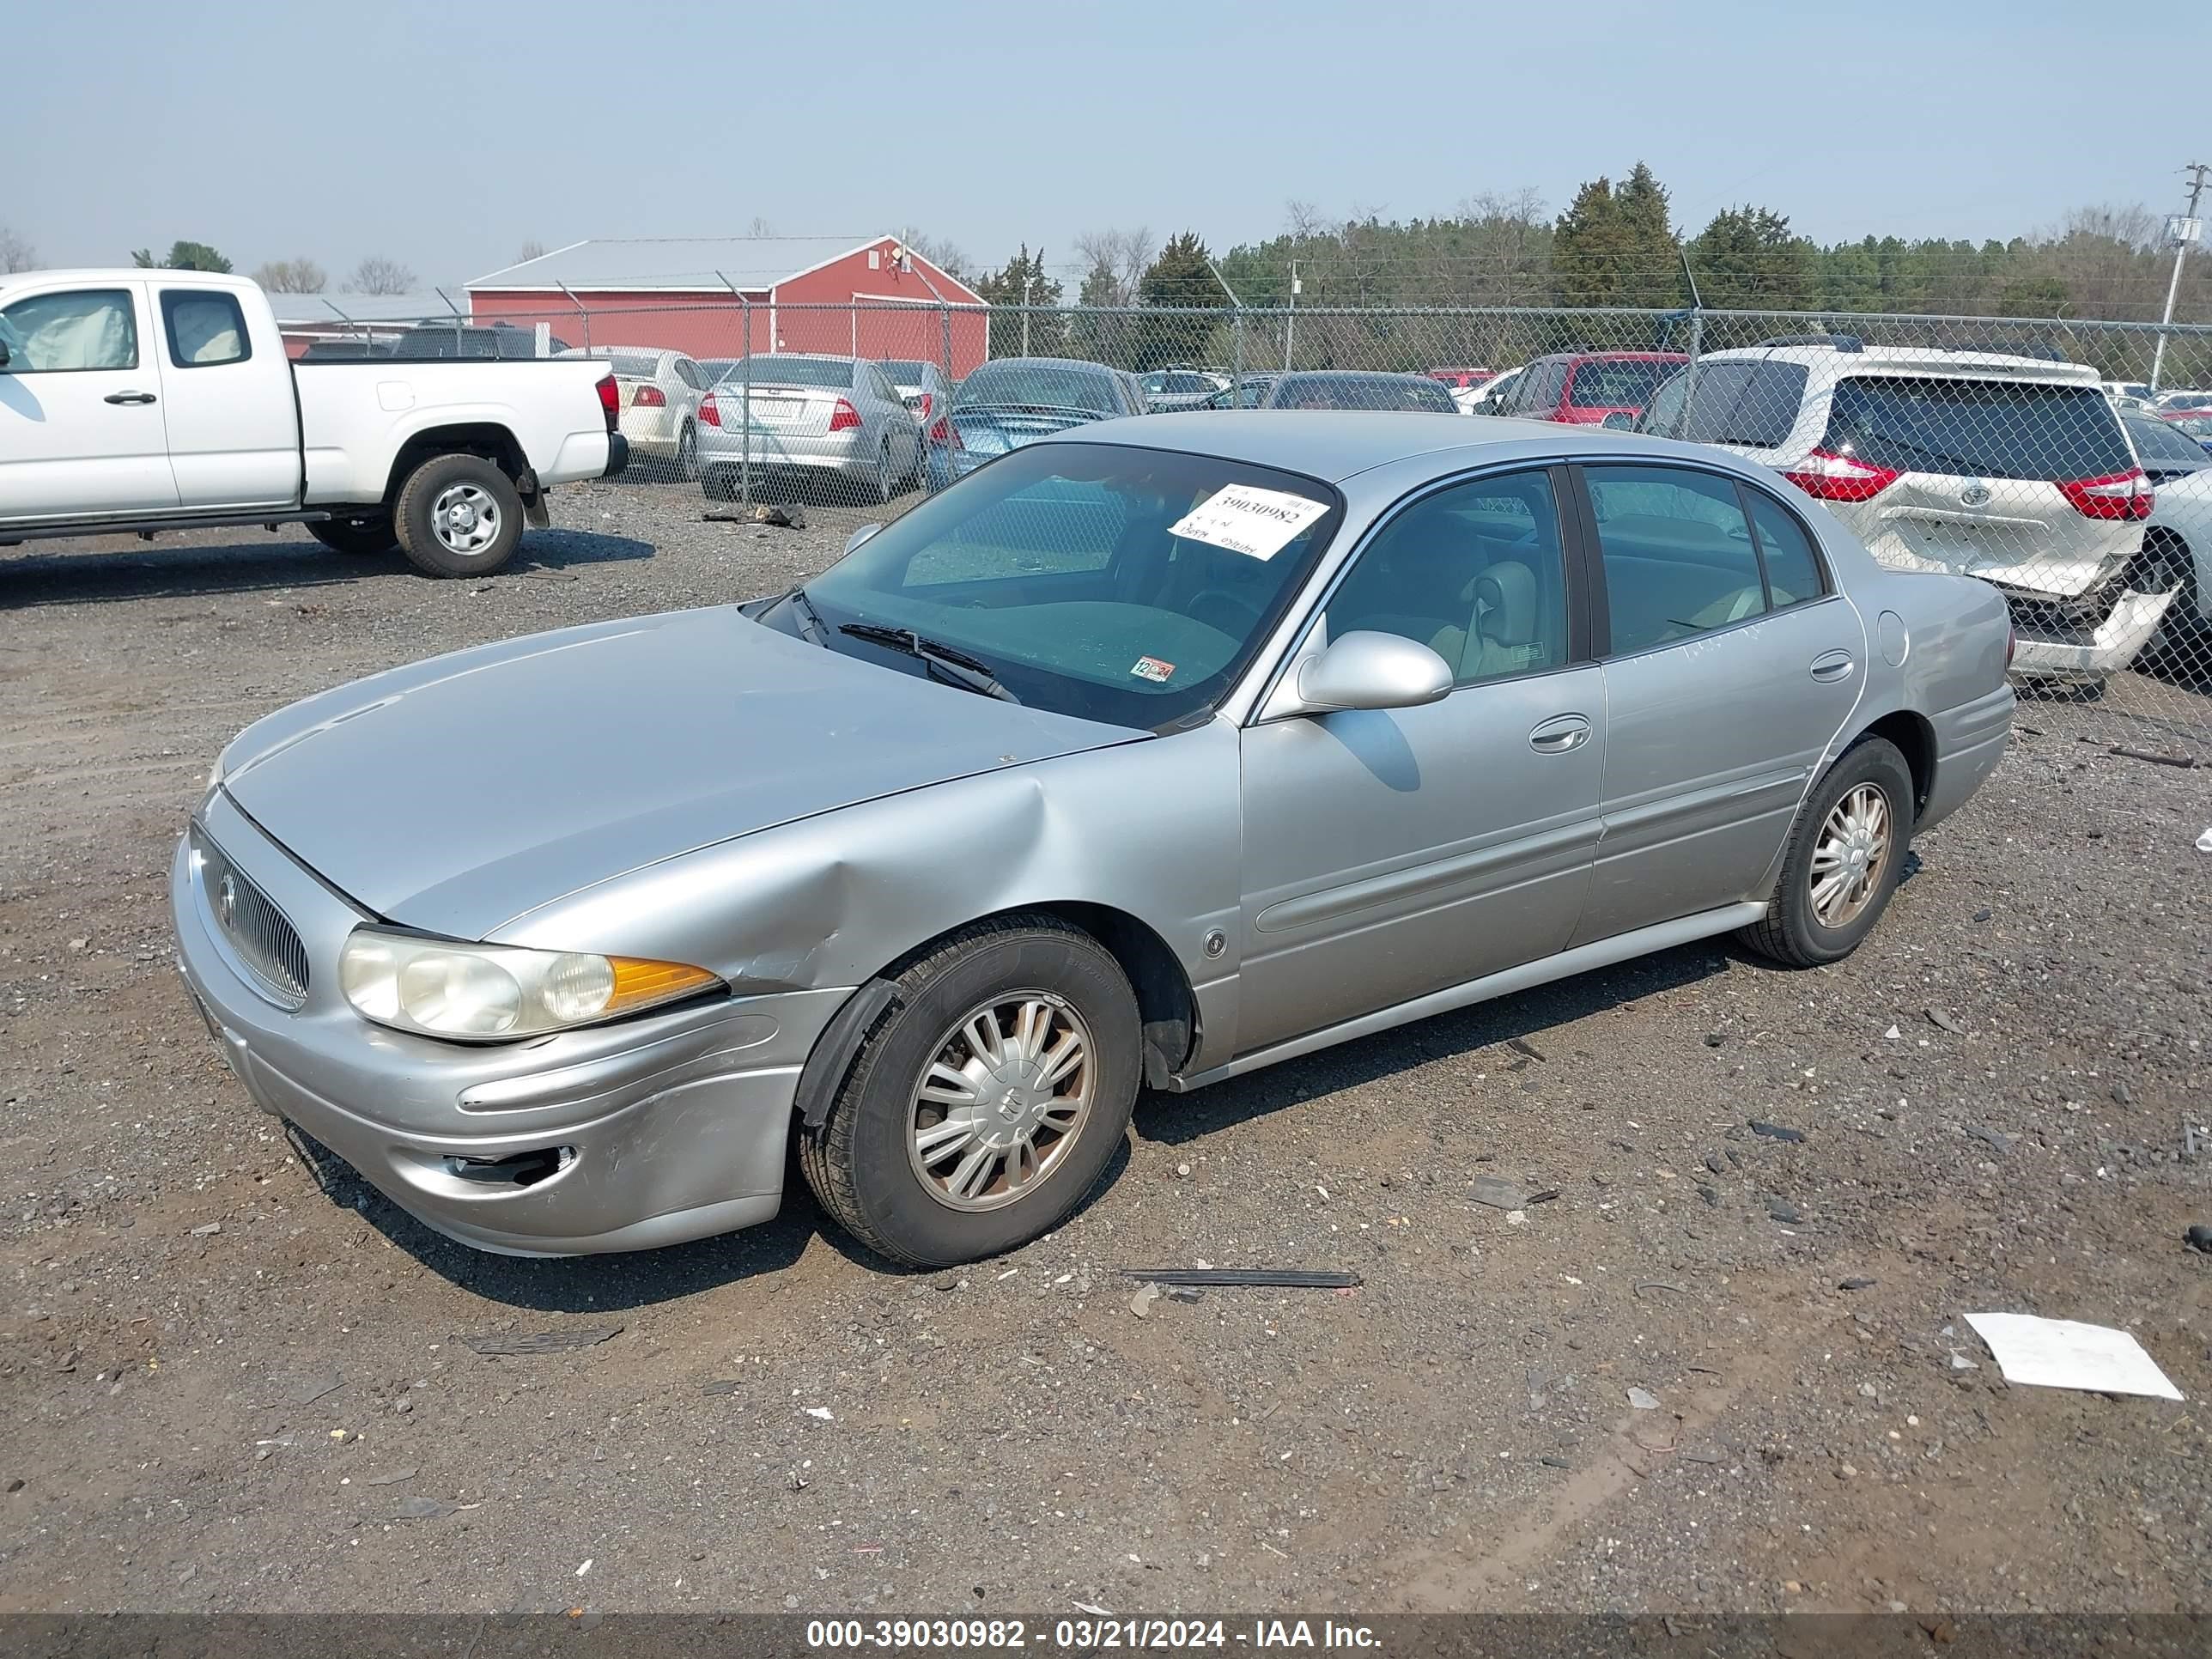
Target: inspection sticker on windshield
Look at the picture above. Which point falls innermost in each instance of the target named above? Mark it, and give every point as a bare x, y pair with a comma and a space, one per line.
1152, 668
1246, 520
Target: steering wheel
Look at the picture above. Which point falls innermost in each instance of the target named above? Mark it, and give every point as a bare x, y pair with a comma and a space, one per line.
1208, 604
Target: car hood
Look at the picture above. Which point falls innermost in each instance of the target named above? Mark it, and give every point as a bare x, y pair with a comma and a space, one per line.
455, 794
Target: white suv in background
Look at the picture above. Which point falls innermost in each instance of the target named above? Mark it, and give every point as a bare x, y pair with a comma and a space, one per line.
2015, 470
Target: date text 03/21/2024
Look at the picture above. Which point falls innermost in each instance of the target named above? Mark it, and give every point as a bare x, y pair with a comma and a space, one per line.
1089, 1633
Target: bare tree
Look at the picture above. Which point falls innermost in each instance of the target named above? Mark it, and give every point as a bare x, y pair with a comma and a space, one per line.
2133, 226
531, 249
301, 276
16, 252
1302, 220
945, 255
377, 275
760, 227
1122, 255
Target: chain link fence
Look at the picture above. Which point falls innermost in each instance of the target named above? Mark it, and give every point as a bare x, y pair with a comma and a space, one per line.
2064, 460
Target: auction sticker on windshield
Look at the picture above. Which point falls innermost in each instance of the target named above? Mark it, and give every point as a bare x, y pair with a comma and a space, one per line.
1246, 520
1152, 668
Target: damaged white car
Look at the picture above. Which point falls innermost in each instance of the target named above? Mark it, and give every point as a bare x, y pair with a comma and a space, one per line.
2013, 469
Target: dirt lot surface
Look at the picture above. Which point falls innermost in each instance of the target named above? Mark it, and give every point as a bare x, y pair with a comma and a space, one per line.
233, 1377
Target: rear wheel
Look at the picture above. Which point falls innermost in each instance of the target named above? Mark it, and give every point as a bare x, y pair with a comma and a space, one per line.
687, 453
459, 515
882, 487
1845, 855
363, 535
986, 1104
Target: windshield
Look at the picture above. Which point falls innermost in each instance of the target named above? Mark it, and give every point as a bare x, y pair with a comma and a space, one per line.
1041, 384
1617, 384
1978, 428
1413, 392
831, 373
2165, 446
1058, 568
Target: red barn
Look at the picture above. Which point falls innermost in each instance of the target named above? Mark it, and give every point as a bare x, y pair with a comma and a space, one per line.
722, 296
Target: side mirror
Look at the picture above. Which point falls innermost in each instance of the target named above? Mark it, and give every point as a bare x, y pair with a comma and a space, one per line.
1365, 670
854, 541
1620, 420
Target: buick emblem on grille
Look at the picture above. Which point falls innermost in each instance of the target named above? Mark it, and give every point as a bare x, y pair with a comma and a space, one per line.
226, 902
1975, 495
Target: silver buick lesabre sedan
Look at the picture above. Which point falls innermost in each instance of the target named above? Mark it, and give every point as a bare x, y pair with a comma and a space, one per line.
1149, 755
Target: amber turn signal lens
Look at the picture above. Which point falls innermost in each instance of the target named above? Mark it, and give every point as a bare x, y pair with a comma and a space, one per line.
640, 984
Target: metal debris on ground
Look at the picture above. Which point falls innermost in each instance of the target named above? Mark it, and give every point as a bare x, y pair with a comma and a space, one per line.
1287, 1278
1996, 1138
1141, 1303
1942, 1021
788, 517
1775, 1131
391, 1480
560, 1341
722, 1385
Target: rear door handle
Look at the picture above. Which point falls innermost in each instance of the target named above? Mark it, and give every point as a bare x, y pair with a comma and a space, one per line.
1833, 666
128, 397
1560, 733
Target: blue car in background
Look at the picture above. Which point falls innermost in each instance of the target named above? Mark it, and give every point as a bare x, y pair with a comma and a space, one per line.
1016, 400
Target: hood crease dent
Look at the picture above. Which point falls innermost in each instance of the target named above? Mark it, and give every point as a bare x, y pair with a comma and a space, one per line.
459, 794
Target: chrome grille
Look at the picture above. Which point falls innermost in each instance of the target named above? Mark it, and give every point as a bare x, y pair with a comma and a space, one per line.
266, 945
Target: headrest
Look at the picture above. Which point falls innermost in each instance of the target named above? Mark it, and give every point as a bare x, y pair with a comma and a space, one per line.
1506, 594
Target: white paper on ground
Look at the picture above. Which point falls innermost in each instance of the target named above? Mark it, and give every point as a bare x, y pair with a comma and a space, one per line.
1247, 520
2063, 1353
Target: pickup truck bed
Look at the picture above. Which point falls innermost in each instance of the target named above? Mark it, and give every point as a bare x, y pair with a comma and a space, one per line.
151, 401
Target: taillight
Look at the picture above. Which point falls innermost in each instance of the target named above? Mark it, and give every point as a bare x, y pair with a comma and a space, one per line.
710, 412
922, 405
2012, 643
844, 417
2117, 496
942, 433
611, 401
1827, 476
647, 396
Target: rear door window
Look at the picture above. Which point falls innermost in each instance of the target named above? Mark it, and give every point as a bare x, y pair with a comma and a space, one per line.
1752, 405
1978, 428
1677, 552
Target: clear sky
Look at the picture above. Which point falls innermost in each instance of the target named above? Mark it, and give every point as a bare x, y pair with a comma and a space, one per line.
444, 136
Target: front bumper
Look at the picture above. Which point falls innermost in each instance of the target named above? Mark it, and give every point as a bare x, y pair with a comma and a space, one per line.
670, 1126
2084, 638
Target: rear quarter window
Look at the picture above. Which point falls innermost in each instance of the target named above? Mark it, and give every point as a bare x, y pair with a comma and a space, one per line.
1978, 428
1751, 405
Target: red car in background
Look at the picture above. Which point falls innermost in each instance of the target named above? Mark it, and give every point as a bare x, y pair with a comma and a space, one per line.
1463, 380
1581, 388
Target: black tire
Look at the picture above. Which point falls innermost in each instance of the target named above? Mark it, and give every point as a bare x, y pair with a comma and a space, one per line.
857, 1161
687, 455
363, 537
882, 486
720, 483
1792, 933
418, 499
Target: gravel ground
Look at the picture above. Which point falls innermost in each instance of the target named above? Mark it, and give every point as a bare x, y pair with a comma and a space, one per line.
235, 1378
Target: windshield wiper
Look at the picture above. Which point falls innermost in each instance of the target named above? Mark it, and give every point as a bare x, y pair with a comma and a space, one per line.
953, 666
810, 619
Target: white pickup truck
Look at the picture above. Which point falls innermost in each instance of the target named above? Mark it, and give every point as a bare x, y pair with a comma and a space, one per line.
151, 401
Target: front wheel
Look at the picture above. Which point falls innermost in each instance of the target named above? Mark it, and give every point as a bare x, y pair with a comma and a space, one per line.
1846, 852
459, 515
364, 537
987, 1103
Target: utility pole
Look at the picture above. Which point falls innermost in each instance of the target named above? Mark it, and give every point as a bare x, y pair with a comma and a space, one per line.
2183, 230
1290, 322
1028, 282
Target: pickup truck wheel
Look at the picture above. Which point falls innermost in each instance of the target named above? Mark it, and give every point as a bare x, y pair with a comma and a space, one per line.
987, 1102
364, 537
1845, 855
459, 515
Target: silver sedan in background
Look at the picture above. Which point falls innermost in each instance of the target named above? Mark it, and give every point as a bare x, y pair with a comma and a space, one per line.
1153, 753
838, 418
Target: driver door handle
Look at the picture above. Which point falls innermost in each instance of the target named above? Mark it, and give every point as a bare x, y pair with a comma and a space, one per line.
128, 397
1558, 734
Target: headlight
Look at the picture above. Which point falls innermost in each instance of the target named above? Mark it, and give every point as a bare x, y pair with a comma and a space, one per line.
443, 989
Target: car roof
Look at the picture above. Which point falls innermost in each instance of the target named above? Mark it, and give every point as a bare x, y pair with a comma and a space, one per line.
1915, 359
1048, 363
1613, 357
1334, 445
